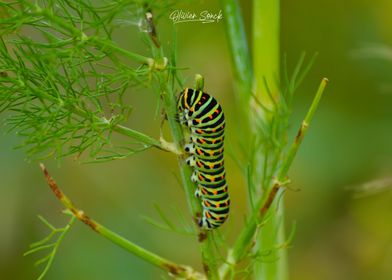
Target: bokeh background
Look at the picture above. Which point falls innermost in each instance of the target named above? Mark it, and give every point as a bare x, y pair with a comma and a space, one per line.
343, 210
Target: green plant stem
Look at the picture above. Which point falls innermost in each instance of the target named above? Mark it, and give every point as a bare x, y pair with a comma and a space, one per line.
266, 46
239, 49
55, 248
266, 63
138, 136
126, 131
178, 271
244, 241
302, 130
170, 105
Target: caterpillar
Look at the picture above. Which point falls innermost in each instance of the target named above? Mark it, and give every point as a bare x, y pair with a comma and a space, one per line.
204, 117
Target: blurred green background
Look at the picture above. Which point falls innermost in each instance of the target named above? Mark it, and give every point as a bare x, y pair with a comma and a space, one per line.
343, 231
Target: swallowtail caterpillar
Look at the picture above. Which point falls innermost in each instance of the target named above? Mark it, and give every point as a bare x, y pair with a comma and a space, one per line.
204, 117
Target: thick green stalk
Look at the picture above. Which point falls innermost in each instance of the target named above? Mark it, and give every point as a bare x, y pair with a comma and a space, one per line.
239, 49
266, 62
178, 271
240, 57
266, 48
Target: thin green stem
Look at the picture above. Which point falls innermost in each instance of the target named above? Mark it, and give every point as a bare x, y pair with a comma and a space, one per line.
302, 130
263, 206
138, 136
170, 105
56, 246
126, 131
117, 128
179, 271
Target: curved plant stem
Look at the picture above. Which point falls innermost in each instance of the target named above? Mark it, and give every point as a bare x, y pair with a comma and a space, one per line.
244, 241
176, 270
302, 130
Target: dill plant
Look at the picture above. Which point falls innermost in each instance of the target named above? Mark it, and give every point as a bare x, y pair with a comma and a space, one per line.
64, 80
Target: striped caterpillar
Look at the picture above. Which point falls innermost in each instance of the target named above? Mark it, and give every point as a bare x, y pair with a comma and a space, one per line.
204, 117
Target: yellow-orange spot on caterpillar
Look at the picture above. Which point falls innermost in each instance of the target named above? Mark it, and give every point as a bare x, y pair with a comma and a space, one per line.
191, 109
214, 130
217, 218
200, 177
227, 203
198, 120
217, 205
212, 179
217, 111
211, 153
206, 203
202, 141
204, 191
222, 177
199, 131
215, 192
208, 215
210, 117
199, 164
199, 103
211, 166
